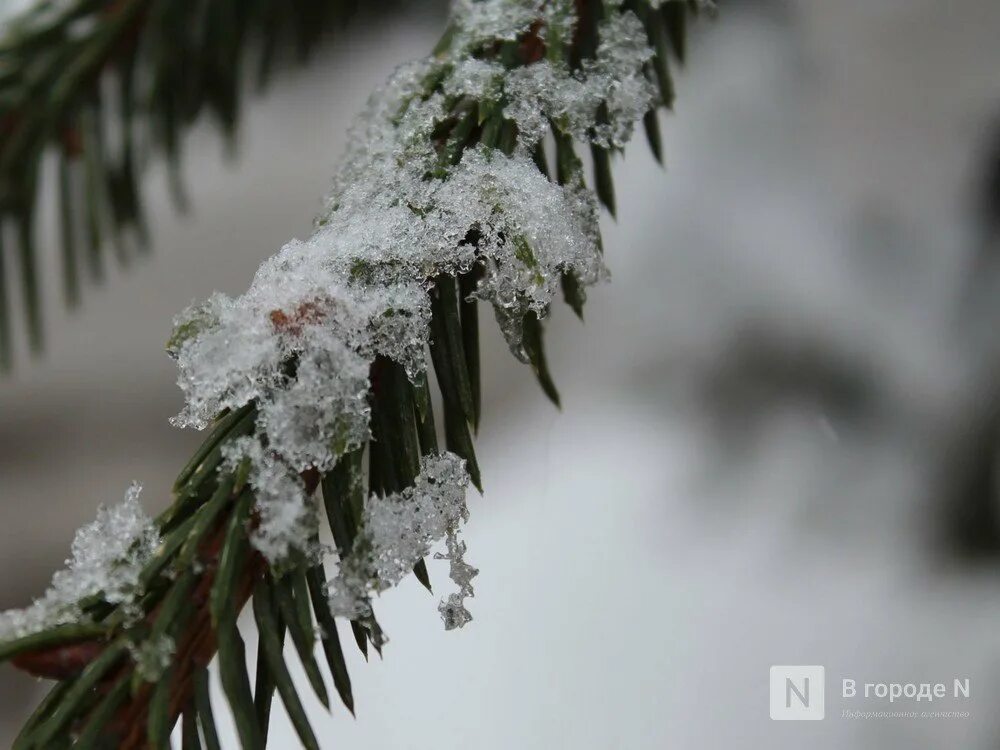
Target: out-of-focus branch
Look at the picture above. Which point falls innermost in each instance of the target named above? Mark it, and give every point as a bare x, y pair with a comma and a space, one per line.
107, 84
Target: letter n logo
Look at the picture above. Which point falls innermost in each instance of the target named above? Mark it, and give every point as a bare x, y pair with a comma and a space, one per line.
797, 693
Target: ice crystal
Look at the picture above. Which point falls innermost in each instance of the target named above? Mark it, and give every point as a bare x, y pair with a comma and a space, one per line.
107, 556
398, 531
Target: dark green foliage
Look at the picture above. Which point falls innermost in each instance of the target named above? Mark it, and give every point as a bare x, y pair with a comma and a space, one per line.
535, 348
263, 691
23, 740
160, 721
660, 65
604, 185
233, 424
343, 496
189, 729
231, 560
60, 634
92, 735
175, 607
340, 488
469, 315
292, 597
203, 707
425, 417
270, 644
674, 17
451, 368
236, 683
330, 637
76, 698
651, 124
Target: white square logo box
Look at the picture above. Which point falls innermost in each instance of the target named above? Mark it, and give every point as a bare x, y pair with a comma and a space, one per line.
798, 693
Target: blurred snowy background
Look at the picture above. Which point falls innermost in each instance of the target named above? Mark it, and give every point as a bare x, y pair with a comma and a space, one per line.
775, 445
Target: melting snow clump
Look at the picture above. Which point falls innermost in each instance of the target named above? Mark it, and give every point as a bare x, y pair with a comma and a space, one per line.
398, 531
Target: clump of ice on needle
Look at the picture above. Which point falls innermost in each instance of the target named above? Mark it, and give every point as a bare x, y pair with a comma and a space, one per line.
286, 518
452, 609
397, 531
530, 232
477, 79
107, 557
600, 102
495, 20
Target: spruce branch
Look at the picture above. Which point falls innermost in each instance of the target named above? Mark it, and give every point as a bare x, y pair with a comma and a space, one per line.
315, 382
106, 85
